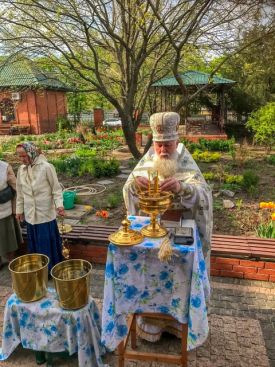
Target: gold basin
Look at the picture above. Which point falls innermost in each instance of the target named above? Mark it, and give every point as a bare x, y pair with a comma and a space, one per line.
72, 283
29, 275
156, 204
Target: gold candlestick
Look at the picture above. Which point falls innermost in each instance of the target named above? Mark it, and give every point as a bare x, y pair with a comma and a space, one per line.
154, 202
149, 181
156, 184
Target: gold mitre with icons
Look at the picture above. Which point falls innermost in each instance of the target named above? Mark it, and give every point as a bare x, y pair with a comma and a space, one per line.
165, 126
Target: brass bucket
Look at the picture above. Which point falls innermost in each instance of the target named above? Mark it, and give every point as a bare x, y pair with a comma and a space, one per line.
29, 275
72, 283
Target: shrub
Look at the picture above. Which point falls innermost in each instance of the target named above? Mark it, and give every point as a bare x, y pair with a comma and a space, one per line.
63, 123
250, 178
210, 176
234, 179
225, 178
85, 152
78, 166
106, 168
250, 181
210, 145
271, 159
114, 199
206, 156
216, 145
262, 124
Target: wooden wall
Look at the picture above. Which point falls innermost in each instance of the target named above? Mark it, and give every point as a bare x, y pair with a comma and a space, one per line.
38, 109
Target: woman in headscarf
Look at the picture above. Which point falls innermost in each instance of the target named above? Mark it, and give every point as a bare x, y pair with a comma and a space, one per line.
39, 198
10, 233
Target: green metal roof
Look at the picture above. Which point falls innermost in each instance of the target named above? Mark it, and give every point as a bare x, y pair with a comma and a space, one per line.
17, 73
192, 78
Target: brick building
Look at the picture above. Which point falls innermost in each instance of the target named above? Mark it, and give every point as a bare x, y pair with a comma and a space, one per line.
31, 100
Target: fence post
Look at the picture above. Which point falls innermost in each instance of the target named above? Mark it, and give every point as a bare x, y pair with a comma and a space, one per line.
98, 117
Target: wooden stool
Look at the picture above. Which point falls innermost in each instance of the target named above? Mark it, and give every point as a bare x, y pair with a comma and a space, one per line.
123, 353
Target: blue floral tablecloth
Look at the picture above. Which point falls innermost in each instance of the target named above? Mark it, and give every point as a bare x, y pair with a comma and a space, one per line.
44, 326
136, 281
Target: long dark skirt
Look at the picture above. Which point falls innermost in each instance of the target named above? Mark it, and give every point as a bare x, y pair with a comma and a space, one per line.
45, 239
10, 235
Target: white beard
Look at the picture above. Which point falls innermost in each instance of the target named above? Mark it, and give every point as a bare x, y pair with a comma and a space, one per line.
165, 167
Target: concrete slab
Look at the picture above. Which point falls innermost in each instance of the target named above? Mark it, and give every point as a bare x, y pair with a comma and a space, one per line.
122, 175
72, 222
105, 182
126, 171
78, 212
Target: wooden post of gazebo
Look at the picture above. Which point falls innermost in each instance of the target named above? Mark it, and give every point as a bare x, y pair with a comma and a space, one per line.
222, 108
193, 81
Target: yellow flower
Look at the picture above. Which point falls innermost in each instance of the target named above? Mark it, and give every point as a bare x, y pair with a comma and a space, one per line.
270, 205
273, 216
87, 207
263, 205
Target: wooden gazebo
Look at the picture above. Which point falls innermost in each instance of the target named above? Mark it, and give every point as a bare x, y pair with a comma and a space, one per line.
31, 100
166, 93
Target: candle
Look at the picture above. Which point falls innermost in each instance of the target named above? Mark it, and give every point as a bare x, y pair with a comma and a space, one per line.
156, 186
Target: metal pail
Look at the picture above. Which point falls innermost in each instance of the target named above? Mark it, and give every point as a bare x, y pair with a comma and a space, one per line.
72, 283
29, 275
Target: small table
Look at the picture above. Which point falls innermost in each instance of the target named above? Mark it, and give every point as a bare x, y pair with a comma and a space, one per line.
45, 327
137, 282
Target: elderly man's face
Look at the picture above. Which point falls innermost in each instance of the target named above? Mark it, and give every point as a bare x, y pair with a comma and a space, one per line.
164, 149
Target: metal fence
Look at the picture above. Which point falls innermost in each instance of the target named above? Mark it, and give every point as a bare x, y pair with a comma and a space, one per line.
88, 117
85, 117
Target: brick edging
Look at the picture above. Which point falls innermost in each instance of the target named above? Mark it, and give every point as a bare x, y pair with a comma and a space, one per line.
245, 269
220, 266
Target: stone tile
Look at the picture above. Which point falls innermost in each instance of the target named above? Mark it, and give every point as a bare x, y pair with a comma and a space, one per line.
243, 340
72, 222
78, 212
122, 175
105, 182
128, 171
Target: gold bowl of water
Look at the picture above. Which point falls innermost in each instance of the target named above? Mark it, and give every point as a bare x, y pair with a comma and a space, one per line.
29, 275
154, 204
72, 283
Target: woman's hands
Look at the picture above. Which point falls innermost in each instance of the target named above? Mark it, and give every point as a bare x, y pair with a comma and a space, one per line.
60, 211
20, 217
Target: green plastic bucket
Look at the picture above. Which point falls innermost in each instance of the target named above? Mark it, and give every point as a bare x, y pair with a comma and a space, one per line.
68, 199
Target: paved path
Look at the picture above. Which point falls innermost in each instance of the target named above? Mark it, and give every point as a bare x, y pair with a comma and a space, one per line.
242, 327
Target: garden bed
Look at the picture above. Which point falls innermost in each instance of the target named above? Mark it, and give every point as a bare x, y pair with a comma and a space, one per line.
243, 219
245, 171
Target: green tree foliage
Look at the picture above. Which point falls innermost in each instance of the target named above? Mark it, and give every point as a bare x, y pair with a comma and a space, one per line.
253, 69
118, 48
262, 123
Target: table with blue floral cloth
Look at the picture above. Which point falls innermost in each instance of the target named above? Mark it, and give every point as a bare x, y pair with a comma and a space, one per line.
44, 326
136, 282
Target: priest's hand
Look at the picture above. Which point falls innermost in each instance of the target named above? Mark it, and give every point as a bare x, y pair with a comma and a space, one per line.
142, 182
170, 184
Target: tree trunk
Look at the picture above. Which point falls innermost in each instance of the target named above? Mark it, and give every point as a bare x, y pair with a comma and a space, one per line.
148, 144
130, 137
